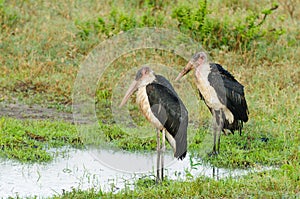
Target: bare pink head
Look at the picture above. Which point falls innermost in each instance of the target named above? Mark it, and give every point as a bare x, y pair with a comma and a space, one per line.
197, 60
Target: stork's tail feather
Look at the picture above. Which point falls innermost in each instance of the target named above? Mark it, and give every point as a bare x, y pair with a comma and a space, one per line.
180, 156
181, 139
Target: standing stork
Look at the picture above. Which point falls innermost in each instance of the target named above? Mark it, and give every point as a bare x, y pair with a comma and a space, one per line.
162, 107
222, 94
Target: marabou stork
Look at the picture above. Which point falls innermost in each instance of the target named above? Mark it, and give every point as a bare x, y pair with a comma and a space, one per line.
162, 107
222, 94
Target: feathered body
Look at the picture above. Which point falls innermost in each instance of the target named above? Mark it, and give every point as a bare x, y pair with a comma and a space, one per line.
221, 91
161, 106
168, 109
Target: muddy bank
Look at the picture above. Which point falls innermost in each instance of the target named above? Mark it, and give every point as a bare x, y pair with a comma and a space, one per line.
37, 112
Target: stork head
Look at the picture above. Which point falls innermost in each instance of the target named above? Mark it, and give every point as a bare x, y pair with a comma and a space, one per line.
143, 77
197, 60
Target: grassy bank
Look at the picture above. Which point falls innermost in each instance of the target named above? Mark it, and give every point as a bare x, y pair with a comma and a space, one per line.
274, 184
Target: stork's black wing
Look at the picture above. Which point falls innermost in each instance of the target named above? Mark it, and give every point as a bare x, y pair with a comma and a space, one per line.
230, 92
170, 111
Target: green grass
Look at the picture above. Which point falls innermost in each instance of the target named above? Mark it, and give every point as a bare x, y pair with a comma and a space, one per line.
30, 141
43, 43
283, 182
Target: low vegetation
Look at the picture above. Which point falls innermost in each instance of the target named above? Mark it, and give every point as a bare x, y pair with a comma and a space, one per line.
30, 141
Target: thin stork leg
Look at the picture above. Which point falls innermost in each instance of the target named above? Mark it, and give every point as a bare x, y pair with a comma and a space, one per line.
214, 152
217, 128
215, 137
163, 148
220, 127
158, 156
219, 138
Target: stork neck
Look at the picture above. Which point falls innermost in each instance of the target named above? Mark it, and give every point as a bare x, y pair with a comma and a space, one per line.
202, 69
146, 81
204, 66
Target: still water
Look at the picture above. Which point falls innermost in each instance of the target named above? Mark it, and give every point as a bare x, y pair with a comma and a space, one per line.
99, 169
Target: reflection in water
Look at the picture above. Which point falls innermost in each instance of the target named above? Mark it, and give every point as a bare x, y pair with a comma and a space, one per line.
98, 169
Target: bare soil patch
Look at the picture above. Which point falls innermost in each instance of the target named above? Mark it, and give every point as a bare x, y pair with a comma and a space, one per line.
36, 112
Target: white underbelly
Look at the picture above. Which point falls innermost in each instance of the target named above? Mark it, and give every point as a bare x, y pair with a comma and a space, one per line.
143, 102
209, 94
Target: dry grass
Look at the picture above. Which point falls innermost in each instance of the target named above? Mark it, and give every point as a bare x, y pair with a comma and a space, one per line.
42, 51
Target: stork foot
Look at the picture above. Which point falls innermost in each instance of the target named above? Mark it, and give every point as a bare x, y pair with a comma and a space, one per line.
158, 181
213, 153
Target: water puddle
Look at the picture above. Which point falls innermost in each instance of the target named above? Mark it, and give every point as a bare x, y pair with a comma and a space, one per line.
105, 169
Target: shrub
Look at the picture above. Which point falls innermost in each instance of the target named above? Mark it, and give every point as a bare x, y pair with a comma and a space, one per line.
118, 21
213, 33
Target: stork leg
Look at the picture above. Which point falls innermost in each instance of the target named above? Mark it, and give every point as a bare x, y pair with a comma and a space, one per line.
220, 127
215, 137
163, 148
158, 156
219, 138
217, 128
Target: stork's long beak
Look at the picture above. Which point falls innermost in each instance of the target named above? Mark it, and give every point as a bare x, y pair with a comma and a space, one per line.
185, 70
129, 92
